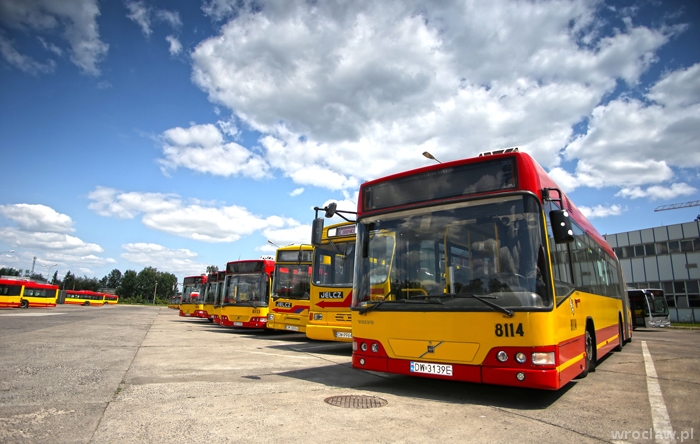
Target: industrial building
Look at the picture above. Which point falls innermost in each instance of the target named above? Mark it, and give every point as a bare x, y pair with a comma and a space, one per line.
666, 257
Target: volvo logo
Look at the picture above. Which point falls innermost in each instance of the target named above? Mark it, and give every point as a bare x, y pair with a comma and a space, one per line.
431, 348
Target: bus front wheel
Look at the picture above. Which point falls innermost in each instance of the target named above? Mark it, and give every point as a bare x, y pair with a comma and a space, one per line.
86, 303
24, 303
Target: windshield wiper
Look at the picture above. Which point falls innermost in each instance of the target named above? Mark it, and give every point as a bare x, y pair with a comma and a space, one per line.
483, 299
369, 308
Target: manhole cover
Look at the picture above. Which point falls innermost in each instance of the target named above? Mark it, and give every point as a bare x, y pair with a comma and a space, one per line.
356, 401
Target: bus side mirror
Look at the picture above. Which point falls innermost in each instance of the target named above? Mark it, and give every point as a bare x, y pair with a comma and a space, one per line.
317, 231
561, 226
330, 209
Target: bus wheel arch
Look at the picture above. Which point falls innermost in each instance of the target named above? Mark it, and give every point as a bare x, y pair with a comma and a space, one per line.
86, 303
621, 338
24, 303
589, 349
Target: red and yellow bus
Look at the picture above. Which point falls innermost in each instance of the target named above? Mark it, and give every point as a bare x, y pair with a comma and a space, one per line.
84, 297
215, 282
111, 299
24, 293
492, 276
289, 308
191, 302
331, 284
174, 301
219, 297
247, 293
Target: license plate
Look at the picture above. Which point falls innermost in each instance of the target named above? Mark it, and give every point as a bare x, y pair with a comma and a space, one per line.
431, 369
238, 324
291, 327
343, 334
187, 314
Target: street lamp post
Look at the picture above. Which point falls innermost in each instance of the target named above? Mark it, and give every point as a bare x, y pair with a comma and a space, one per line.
430, 156
48, 273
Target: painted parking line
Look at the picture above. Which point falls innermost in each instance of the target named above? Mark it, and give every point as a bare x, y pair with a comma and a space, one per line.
663, 432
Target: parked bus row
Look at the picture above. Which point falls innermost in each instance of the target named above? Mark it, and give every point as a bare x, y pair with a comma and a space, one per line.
24, 293
478, 270
304, 289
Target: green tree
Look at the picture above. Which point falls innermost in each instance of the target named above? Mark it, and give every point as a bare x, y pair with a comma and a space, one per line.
86, 283
146, 283
212, 269
69, 281
10, 272
127, 289
113, 279
166, 285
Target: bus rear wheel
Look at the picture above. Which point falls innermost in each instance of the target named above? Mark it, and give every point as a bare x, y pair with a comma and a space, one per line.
24, 303
621, 340
590, 354
86, 303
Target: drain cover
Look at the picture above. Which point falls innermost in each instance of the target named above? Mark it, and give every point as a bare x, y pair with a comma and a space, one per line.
356, 401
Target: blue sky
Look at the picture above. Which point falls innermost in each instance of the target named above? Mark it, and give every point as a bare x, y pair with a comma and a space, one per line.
181, 134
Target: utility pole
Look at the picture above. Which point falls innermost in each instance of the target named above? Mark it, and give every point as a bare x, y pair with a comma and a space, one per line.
154, 293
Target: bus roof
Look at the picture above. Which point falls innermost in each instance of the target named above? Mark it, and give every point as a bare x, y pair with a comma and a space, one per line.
530, 177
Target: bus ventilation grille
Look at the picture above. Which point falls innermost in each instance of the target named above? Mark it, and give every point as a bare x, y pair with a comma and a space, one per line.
356, 401
514, 149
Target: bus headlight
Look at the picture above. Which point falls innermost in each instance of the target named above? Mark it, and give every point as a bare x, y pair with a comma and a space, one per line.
543, 358
502, 356
375, 347
521, 358
318, 316
363, 346
270, 317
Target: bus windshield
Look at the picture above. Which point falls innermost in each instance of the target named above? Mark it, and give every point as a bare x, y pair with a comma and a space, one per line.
658, 306
246, 288
334, 264
291, 281
459, 256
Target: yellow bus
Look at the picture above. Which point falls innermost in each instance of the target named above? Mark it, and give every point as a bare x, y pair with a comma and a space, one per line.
191, 302
18, 292
289, 308
247, 293
210, 290
174, 301
84, 297
216, 297
331, 284
494, 277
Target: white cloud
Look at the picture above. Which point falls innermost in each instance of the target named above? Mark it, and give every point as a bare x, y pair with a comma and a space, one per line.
77, 21
48, 242
196, 146
601, 211
178, 261
143, 15
296, 192
175, 45
111, 202
347, 92
139, 14
23, 62
196, 220
37, 218
658, 192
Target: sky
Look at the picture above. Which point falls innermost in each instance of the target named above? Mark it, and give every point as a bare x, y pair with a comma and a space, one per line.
180, 134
